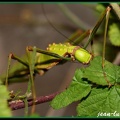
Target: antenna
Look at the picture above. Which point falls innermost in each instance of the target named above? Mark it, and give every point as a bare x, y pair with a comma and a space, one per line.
42, 5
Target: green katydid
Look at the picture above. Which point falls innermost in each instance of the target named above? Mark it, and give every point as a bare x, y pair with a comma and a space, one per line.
39, 61
44, 61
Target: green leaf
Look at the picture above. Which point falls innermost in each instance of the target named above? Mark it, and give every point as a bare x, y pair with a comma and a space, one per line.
114, 34
102, 76
4, 109
101, 102
76, 91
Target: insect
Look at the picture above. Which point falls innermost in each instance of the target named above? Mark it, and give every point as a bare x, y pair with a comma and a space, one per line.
54, 54
46, 59
37, 61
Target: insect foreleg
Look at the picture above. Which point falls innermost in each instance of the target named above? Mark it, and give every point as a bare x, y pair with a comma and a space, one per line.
94, 30
80, 38
19, 60
49, 53
105, 34
104, 44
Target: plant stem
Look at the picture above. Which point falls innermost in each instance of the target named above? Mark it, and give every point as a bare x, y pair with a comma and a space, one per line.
15, 105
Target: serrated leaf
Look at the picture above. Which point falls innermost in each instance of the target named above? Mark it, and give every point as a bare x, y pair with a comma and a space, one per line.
4, 109
101, 102
110, 74
114, 34
76, 91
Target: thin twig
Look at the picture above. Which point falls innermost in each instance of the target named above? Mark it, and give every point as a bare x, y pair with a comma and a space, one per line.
15, 105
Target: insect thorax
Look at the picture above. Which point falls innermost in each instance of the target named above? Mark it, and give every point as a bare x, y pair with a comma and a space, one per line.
61, 49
